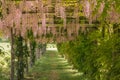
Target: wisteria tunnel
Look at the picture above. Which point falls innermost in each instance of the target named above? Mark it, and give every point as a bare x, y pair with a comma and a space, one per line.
59, 39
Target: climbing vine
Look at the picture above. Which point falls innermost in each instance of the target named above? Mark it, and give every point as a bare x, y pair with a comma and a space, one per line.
20, 57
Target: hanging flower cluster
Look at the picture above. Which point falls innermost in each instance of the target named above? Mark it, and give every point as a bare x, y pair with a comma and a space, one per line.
40, 15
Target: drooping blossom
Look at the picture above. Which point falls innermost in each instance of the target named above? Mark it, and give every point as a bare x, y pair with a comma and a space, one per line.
62, 12
57, 9
17, 17
44, 23
101, 8
49, 2
87, 8
113, 17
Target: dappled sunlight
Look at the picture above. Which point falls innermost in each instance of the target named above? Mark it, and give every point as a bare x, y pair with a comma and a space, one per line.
5, 46
5, 54
71, 70
52, 66
54, 49
74, 72
77, 74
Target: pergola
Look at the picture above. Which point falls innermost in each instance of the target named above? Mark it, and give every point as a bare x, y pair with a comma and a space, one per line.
50, 20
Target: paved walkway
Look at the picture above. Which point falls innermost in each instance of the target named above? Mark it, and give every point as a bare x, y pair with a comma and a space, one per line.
52, 67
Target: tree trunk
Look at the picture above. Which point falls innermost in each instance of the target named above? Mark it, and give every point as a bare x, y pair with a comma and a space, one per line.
32, 52
12, 56
26, 52
31, 55
27, 66
39, 54
20, 58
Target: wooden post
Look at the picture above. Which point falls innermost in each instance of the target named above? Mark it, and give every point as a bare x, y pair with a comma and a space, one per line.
12, 55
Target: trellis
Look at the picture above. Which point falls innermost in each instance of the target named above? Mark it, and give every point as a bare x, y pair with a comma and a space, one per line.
61, 19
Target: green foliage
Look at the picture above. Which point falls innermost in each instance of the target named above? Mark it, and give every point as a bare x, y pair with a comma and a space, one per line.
49, 35
20, 58
30, 34
25, 56
58, 20
32, 48
2, 76
95, 55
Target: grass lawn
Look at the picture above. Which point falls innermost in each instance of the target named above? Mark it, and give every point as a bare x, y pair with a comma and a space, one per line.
52, 67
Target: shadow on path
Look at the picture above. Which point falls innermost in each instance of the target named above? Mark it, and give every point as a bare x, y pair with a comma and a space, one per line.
52, 67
